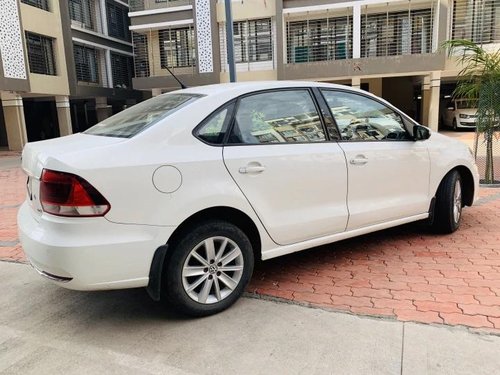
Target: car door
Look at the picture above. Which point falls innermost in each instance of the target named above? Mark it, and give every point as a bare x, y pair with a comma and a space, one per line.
388, 171
277, 153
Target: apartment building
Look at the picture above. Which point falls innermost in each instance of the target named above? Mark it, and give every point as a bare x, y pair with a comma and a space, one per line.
66, 64
391, 48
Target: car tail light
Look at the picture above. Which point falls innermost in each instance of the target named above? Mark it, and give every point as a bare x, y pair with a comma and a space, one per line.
65, 194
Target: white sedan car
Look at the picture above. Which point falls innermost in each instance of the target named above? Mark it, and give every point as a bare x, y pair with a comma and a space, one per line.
460, 114
182, 192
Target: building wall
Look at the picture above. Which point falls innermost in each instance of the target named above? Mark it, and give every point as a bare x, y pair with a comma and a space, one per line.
47, 23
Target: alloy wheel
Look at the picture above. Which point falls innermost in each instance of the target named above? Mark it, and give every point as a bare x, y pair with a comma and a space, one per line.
212, 270
457, 202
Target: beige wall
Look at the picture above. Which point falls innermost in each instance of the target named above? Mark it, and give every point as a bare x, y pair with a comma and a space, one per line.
48, 24
247, 9
258, 75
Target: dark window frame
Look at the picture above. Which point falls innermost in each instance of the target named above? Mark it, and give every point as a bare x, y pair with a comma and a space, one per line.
45, 61
117, 21
40, 4
88, 22
79, 66
124, 61
180, 37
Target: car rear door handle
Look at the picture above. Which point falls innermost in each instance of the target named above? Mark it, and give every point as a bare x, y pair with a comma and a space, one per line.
359, 160
252, 169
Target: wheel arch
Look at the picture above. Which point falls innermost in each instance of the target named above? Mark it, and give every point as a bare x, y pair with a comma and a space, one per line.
468, 185
229, 214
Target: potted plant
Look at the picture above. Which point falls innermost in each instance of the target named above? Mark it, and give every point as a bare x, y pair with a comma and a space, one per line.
479, 80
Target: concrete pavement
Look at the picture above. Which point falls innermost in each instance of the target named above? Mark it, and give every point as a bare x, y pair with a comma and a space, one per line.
46, 329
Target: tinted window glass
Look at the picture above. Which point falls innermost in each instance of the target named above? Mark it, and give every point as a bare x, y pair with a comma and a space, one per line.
360, 118
132, 121
214, 127
277, 117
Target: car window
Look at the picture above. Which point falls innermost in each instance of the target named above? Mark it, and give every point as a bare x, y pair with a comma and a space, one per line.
133, 120
360, 118
213, 129
286, 116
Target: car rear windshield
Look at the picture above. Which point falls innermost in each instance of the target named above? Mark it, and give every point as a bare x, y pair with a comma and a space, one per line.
132, 121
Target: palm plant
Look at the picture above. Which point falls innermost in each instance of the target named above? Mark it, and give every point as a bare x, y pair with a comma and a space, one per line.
479, 80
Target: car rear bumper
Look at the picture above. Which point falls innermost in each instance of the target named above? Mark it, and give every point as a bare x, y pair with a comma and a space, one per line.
89, 253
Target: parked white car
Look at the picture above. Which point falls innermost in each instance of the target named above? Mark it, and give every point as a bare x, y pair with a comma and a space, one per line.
460, 114
182, 192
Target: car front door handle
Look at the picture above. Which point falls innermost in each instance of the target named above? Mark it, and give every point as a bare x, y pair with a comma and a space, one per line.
252, 169
359, 160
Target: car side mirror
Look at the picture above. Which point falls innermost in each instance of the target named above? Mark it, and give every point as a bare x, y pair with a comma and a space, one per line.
420, 133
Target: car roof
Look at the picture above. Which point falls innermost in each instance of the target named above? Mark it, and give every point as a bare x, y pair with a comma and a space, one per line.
240, 88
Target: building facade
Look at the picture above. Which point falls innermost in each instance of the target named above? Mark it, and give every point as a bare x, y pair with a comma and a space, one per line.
66, 64
391, 48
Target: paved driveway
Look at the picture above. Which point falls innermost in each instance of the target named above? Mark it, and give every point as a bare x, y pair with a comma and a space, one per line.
403, 273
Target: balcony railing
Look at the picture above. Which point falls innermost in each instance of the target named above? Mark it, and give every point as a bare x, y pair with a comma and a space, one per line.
138, 5
477, 20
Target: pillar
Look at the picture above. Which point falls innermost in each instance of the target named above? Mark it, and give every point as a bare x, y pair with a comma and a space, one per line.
102, 108
13, 112
64, 115
356, 82
155, 92
430, 100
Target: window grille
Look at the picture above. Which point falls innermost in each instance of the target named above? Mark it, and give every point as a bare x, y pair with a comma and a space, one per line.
478, 21
141, 55
42, 4
90, 65
84, 13
121, 66
177, 47
118, 21
41, 54
253, 40
319, 39
396, 33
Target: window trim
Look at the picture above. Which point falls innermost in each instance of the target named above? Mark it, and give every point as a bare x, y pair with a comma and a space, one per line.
227, 123
404, 117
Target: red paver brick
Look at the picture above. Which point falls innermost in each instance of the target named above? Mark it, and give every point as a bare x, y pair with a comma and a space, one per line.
495, 321
457, 298
430, 288
411, 295
352, 301
296, 287
488, 300
418, 316
491, 311
449, 307
390, 285
478, 321
392, 304
445, 281
334, 290
369, 292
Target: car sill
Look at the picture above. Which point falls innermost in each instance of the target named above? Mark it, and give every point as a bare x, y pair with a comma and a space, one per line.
283, 250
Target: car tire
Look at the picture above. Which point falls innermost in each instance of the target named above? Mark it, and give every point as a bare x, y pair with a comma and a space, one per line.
454, 125
208, 269
449, 203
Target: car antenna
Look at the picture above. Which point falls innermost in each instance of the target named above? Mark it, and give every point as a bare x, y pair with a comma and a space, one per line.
183, 86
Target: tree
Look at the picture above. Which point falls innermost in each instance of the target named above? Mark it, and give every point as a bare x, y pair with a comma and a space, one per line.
479, 80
